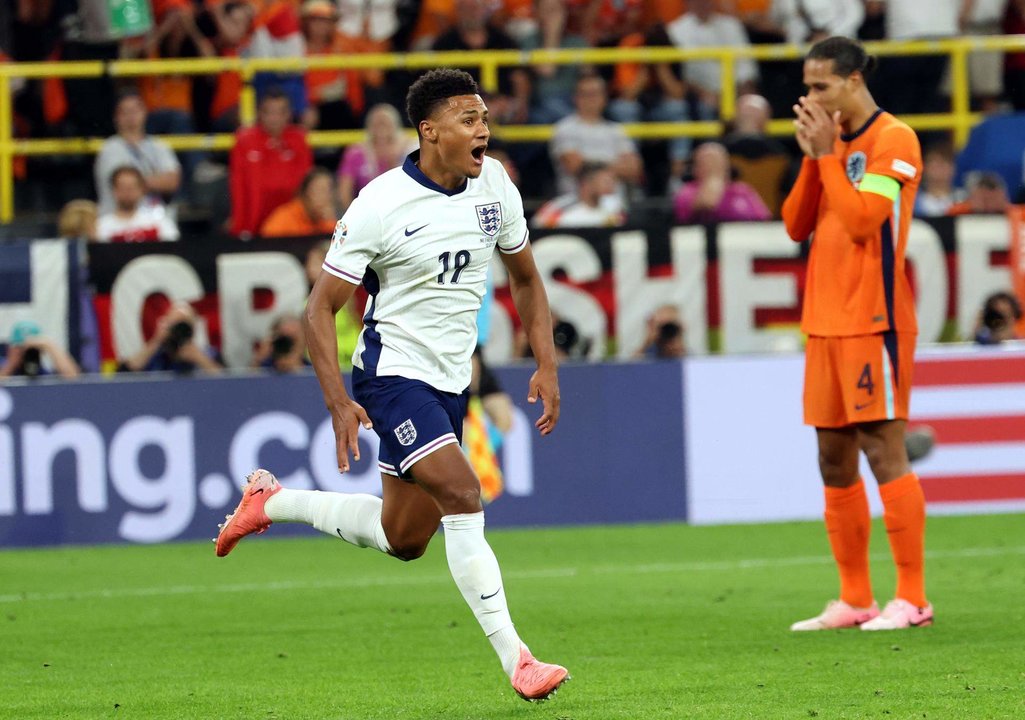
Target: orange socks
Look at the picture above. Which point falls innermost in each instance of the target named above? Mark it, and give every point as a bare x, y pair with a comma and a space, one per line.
904, 516
848, 525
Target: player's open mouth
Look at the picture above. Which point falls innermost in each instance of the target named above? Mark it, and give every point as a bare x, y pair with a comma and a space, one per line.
478, 154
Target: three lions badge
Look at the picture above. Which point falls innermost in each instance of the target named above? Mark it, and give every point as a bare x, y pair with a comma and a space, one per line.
490, 218
406, 433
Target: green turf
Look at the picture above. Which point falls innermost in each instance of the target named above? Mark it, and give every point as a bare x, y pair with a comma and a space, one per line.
661, 621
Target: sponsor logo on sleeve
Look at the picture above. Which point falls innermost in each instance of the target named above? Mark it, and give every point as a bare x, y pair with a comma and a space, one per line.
341, 232
904, 168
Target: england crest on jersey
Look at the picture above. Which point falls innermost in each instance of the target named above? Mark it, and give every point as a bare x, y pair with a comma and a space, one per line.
406, 433
490, 218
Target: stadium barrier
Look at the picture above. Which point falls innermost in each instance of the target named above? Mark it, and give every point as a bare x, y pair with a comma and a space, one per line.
737, 286
960, 119
749, 459
151, 460
706, 440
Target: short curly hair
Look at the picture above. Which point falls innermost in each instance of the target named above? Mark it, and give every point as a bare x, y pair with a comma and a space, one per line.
435, 87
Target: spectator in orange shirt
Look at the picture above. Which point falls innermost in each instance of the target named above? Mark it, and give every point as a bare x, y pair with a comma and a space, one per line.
335, 96
229, 27
267, 164
312, 212
168, 97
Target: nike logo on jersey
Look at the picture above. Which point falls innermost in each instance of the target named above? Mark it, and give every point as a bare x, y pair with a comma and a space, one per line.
488, 597
859, 406
410, 233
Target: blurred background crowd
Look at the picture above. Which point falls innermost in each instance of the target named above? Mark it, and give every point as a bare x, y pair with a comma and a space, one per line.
272, 183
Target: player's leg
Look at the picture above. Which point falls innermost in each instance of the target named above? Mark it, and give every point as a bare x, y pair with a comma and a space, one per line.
445, 474
904, 517
410, 517
401, 522
353, 517
889, 361
846, 514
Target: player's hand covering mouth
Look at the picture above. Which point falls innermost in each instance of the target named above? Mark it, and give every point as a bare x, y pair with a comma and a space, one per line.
478, 153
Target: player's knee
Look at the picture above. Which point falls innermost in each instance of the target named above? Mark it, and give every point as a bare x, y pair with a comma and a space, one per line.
837, 474
881, 454
409, 550
460, 500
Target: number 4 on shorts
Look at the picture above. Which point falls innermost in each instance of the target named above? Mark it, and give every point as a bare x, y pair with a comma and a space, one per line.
865, 381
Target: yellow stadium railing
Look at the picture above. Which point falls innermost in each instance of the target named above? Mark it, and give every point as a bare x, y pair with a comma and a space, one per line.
959, 120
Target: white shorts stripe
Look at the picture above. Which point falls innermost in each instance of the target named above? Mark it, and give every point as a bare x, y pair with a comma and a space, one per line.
433, 445
387, 469
888, 383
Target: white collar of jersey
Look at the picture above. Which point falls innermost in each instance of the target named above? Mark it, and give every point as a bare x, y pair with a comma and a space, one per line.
411, 168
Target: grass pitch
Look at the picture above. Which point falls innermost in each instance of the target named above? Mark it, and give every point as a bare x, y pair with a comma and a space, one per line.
653, 622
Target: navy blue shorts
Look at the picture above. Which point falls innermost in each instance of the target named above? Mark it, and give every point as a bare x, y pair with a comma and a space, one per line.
412, 418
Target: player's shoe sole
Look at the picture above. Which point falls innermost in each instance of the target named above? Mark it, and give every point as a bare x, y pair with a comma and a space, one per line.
249, 516
838, 615
900, 614
535, 681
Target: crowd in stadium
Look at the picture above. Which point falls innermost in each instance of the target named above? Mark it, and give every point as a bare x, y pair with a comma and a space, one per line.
590, 173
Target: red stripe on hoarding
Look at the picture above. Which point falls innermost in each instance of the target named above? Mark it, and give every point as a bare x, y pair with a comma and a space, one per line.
980, 371
997, 428
974, 487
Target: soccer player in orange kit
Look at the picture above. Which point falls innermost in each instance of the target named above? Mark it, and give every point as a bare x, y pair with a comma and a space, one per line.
855, 195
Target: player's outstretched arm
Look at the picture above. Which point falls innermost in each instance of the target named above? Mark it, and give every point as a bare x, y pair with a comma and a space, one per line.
531, 300
328, 296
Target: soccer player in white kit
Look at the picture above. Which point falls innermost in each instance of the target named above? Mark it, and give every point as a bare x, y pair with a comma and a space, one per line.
419, 238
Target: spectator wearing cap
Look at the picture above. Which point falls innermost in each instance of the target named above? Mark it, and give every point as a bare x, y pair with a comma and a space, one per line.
335, 95
266, 165
312, 212
134, 217
31, 354
160, 169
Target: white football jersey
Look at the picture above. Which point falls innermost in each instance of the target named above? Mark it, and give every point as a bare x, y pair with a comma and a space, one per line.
422, 252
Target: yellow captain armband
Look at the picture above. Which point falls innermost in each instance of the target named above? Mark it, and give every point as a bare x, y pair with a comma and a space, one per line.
880, 185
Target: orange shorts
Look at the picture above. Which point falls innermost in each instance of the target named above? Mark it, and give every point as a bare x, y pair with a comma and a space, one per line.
850, 380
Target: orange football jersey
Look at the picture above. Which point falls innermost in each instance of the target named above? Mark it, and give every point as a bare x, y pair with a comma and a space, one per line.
857, 204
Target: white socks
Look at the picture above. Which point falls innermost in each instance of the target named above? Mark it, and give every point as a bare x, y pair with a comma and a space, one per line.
475, 569
355, 518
